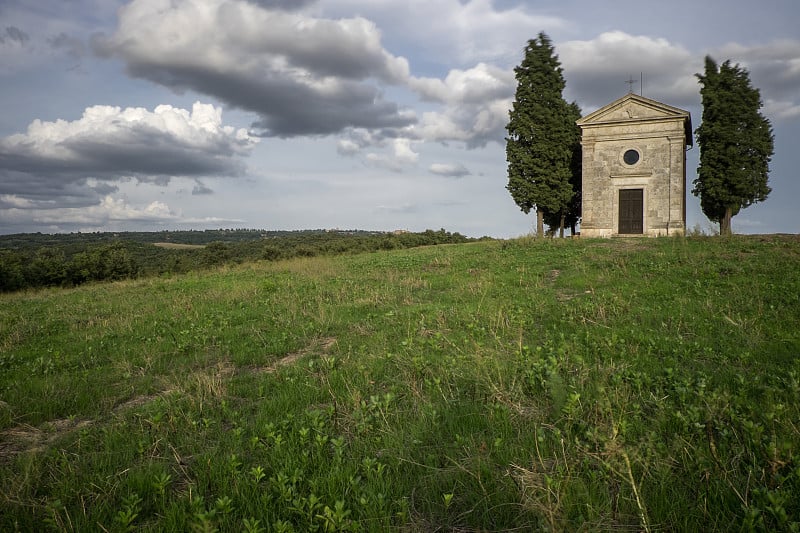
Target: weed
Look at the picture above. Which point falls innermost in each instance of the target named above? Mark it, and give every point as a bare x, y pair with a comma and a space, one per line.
131, 507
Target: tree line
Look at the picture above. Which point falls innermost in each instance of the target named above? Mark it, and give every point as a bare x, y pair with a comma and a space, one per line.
198, 237
544, 153
66, 261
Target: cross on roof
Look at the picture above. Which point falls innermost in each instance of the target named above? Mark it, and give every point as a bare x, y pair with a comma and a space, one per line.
630, 83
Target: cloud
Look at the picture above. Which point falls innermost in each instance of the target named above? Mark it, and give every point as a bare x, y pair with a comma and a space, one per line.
475, 125
398, 209
39, 34
473, 101
782, 109
401, 155
287, 5
15, 49
456, 32
74, 47
81, 160
312, 75
13, 35
774, 69
201, 188
478, 84
354, 140
596, 69
403, 151
302, 75
476, 103
347, 147
450, 170
10, 201
106, 211
396, 152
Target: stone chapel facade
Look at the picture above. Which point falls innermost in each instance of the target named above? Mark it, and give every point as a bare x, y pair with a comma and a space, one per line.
634, 168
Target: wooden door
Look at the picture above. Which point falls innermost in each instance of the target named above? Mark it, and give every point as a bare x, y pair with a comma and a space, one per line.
631, 211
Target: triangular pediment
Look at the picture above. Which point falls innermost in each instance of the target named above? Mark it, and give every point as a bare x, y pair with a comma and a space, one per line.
631, 108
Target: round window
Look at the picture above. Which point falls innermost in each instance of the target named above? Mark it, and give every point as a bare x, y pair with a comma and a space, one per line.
631, 157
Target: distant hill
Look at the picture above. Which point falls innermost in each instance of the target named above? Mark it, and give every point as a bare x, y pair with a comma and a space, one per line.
33, 240
63, 260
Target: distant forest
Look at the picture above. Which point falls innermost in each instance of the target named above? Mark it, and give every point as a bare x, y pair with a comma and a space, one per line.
32, 260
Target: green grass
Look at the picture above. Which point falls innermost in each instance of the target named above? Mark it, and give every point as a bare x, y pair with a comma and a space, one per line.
622, 385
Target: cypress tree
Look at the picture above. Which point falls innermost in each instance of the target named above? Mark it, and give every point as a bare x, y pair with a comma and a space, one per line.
736, 144
570, 213
542, 138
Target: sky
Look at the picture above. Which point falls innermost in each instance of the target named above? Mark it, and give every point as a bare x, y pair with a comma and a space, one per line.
146, 115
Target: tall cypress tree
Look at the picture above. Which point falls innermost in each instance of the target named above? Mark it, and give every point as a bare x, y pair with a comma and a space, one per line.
542, 137
736, 144
570, 213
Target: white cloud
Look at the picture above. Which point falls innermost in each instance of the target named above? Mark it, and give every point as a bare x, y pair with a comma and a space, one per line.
12, 201
596, 69
475, 85
476, 103
106, 136
401, 156
403, 152
394, 153
356, 139
347, 147
452, 170
67, 144
474, 125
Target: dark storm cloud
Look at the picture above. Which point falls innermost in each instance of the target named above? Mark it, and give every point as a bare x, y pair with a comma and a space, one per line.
40, 189
288, 111
286, 107
148, 152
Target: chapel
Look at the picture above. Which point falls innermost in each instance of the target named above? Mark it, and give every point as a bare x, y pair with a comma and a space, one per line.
634, 168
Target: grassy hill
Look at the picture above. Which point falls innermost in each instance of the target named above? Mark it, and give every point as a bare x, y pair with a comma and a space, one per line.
626, 385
